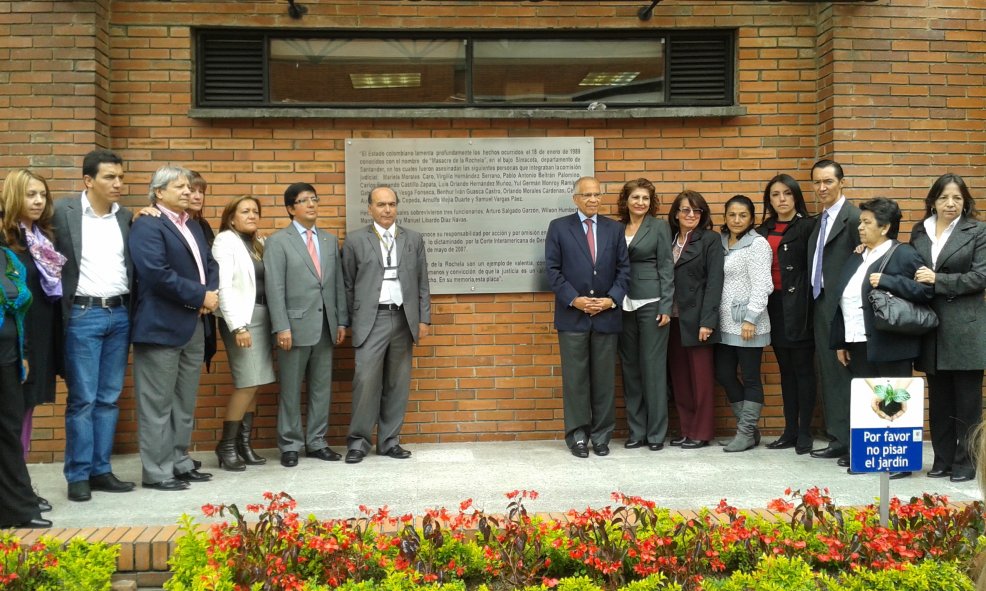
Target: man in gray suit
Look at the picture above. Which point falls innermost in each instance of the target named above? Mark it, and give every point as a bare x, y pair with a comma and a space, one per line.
92, 234
829, 247
386, 275
307, 306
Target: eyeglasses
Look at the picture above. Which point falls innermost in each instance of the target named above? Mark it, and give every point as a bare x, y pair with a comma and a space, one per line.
590, 195
313, 199
688, 211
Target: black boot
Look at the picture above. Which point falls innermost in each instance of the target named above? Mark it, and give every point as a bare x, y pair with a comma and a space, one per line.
243, 448
226, 450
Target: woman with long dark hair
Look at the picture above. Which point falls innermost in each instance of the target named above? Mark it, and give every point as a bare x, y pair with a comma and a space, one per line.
787, 227
744, 326
952, 246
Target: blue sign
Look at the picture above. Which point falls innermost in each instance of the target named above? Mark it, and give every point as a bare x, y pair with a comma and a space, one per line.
886, 419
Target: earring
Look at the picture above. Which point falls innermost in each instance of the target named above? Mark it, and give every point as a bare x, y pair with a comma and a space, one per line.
934, 211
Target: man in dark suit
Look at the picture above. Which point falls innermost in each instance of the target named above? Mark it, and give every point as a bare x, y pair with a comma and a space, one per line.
92, 231
386, 274
589, 270
830, 245
177, 285
307, 305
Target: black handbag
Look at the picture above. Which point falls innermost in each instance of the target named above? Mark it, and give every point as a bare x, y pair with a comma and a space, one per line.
894, 314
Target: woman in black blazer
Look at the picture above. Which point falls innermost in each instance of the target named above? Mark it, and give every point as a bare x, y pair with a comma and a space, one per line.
952, 245
787, 227
698, 278
646, 316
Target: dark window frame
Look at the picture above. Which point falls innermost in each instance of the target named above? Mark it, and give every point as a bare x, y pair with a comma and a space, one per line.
674, 39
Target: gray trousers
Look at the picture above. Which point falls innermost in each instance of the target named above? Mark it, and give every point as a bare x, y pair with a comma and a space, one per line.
588, 379
381, 383
644, 358
313, 365
166, 380
835, 378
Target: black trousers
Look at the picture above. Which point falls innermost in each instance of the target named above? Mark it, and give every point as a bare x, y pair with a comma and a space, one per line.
18, 503
798, 390
955, 406
747, 359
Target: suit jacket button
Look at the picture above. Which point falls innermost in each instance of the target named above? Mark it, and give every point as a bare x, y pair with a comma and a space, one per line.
592, 292
319, 309
594, 272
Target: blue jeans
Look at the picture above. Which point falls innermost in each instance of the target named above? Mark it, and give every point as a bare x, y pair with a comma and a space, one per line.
97, 342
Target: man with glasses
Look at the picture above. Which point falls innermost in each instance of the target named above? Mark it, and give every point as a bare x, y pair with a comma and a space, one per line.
307, 304
589, 270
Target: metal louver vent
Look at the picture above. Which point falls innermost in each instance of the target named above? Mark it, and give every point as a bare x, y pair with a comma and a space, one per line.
700, 70
232, 70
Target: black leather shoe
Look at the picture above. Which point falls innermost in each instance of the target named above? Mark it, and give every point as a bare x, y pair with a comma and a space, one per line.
110, 483
899, 475
939, 472
802, 450
828, 453
694, 444
843, 461
677, 441
580, 450
600, 450
289, 459
35, 523
851, 472
355, 456
398, 453
43, 505
655, 446
633, 443
194, 475
782, 443
962, 477
196, 464
170, 485
79, 491
325, 454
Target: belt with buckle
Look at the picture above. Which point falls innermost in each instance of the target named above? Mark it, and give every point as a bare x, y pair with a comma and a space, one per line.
391, 307
91, 302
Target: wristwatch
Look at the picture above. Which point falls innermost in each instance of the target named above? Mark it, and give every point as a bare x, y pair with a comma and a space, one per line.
240, 329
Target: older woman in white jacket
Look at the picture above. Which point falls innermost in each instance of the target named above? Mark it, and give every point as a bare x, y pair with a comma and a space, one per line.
245, 327
743, 320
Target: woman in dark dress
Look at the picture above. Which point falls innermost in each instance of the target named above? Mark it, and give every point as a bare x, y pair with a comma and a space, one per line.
18, 503
27, 212
787, 228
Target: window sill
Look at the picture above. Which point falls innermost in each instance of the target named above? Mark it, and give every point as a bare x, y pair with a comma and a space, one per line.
461, 113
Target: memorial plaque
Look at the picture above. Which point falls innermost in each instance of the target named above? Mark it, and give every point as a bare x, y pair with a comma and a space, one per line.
482, 204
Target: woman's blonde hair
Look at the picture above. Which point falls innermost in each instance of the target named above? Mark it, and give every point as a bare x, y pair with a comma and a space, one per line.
12, 201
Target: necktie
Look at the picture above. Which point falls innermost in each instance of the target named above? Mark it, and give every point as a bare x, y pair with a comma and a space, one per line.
387, 242
592, 240
314, 253
816, 277
393, 286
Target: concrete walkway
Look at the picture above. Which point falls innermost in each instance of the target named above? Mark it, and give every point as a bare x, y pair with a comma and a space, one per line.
444, 474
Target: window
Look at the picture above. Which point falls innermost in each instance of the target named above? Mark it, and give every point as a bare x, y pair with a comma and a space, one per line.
543, 69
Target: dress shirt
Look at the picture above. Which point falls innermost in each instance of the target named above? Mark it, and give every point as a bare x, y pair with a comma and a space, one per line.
931, 227
852, 297
833, 213
304, 237
180, 220
389, 286
102, 266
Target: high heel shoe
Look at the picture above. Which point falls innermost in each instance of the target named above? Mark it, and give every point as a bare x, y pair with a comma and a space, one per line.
243, 446
226, 449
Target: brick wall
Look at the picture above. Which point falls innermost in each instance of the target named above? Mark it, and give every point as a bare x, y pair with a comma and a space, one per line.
894, 92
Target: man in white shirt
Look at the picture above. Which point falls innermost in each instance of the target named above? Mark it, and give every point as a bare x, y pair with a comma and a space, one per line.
92, 232
386, 275
829, 247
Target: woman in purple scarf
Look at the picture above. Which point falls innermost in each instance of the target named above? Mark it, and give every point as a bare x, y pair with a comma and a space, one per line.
27, 211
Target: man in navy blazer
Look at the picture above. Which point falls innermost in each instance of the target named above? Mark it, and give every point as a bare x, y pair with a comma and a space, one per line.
589, 270
177, 285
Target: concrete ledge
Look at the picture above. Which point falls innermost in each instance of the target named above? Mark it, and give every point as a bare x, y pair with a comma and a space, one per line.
463, 113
